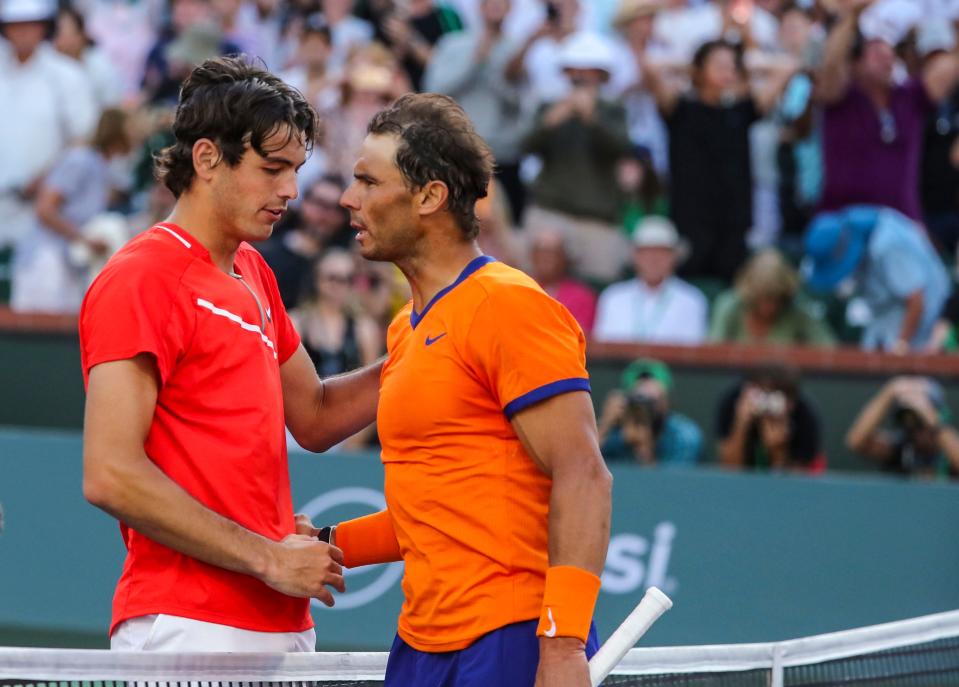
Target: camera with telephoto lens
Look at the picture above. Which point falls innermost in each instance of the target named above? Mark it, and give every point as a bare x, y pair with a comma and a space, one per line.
645, 410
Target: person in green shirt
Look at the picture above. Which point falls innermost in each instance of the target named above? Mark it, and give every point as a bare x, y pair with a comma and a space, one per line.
764, 307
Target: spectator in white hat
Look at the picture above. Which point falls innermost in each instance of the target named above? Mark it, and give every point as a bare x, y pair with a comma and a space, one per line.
656, 306
580, 139
48, 103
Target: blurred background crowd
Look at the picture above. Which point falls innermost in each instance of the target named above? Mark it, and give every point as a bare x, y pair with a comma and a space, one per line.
674, 171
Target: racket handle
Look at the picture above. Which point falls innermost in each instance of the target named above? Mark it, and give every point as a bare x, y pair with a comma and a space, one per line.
653, 604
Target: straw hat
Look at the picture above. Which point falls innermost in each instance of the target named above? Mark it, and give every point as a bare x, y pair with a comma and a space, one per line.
634, 9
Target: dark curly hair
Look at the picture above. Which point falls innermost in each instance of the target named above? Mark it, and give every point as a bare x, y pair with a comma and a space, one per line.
234, 104
438, 143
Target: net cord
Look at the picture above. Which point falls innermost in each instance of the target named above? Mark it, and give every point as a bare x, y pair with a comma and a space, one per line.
75, 664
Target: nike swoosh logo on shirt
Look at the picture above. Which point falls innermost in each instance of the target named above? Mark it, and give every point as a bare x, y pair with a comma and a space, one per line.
551, 632
430, 342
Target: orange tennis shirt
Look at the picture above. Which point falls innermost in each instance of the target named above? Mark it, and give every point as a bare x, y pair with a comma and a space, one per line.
468, 504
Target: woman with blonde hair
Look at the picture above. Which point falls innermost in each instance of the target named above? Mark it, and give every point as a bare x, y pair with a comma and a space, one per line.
765, 307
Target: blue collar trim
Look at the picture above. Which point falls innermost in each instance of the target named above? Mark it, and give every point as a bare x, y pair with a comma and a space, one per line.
475, 264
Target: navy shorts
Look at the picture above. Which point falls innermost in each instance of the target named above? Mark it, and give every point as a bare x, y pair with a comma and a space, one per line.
506, 657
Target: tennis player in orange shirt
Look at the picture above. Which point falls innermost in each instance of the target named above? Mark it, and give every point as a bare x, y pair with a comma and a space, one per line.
498, 500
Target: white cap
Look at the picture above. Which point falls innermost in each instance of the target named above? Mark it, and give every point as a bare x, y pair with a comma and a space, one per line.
15, 11
935, 35
890, 20
659, 232
587, 50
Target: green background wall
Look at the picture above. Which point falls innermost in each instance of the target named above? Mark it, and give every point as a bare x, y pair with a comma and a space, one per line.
745, 557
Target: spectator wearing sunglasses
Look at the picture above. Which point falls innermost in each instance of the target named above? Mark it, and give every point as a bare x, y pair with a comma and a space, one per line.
872, 124
319, 224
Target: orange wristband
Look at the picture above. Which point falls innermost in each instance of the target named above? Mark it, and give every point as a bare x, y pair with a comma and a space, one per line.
568, 602
368, 540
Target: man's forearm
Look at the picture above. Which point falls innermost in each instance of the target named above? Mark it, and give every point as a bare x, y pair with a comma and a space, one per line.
347, 404
832, 78
868, 421
138, 493
579, 517
368, 540
910, 321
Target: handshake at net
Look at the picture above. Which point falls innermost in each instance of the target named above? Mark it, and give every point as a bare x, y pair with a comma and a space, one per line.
302, 565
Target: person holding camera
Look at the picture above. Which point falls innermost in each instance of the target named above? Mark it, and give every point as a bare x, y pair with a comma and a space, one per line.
917, 440
765, 422
638, 426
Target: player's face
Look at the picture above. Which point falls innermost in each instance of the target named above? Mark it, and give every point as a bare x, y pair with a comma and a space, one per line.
381, 206
250, 198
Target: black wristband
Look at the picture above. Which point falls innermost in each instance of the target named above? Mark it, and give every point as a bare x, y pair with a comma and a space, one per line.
325, 534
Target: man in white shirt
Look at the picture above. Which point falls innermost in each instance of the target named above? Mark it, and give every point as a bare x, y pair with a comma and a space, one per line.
48, 103
655, 307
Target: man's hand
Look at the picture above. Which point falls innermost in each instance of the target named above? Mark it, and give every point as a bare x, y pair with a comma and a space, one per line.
305, 526
854, 7
302, 566
562, 663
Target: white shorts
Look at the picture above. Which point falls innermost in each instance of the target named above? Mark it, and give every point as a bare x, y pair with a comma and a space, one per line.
173, 633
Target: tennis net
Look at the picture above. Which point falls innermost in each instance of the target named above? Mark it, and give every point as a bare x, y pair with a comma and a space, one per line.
921, 652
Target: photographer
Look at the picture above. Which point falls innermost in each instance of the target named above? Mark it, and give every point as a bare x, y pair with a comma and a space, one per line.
918, 443
638, 426
766, 423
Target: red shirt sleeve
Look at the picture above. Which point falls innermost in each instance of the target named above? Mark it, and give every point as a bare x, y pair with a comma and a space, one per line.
134, 308
528, 346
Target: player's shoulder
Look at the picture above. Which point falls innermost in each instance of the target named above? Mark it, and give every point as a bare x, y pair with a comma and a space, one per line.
503, 285
150, 261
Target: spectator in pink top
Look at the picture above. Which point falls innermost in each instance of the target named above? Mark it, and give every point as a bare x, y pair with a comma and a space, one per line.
872, 125
549, 266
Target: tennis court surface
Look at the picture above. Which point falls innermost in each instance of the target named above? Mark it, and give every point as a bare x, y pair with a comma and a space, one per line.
920, 652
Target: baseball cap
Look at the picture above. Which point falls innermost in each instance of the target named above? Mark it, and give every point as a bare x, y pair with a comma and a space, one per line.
587, 50
16, 11
646, 368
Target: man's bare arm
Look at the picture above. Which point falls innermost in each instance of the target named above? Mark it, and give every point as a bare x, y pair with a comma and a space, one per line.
120, 478
835, 73
560, 435
322, 413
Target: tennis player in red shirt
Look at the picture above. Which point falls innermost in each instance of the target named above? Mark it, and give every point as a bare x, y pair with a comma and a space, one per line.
498, 500
193, 370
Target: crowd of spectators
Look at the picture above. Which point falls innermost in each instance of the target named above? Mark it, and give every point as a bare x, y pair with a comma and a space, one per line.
674, 171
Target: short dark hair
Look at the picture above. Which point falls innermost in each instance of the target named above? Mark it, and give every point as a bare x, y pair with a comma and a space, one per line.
438, 143
709, 47
234, 104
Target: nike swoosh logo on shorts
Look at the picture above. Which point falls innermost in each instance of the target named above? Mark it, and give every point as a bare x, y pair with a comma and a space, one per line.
551, 632
430, 342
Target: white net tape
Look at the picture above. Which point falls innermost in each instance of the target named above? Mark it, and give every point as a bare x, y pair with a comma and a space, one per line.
83, 665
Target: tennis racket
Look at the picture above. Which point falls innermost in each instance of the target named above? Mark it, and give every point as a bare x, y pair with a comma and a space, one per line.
653, 604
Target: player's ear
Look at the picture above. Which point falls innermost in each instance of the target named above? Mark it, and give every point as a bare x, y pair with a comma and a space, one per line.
206, 156
432, 197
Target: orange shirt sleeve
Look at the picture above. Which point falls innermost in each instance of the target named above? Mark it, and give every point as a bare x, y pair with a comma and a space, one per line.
527, 346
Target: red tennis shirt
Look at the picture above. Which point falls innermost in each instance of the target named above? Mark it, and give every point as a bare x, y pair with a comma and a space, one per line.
218, 429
